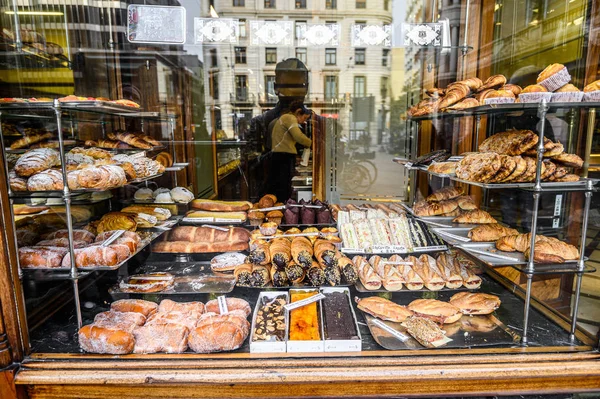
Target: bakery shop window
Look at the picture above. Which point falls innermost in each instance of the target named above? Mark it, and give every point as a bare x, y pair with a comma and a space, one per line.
300, 4
361, 3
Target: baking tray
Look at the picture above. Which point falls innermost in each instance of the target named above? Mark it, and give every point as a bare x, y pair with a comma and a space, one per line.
97, 106
342, 345
269, 346
176, 167
186, 285
203, 221
424, 169
307, 346
143, 179
453, 235
153, 236
489, 331
361, 288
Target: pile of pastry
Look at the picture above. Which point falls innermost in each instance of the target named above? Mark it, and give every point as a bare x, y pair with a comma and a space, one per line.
450, 201
31, 137
91, 168
422, 318
546, 250
125, 140
162, 195
90, 251
510, 157
415, 273
295, 260
351, 212
35, 40
124, 102
203, 239
365, 233
138, 326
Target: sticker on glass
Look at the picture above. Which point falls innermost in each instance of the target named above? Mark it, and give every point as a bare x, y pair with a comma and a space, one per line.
318, 34
155, 24
371, 35
272, 33
429, 34
217, 30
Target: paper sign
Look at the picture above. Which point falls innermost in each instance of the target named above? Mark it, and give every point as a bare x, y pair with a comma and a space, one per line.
223, 309
390, 330
304, 302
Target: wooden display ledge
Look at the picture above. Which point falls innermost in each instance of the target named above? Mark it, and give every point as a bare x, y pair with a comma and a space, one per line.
374, 373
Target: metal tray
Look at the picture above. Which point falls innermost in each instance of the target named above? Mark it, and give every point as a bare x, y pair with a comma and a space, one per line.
154, 235
361, 288
463, 333
582, 184
176, 167
453, 235
199, 284
143, 179
416, 250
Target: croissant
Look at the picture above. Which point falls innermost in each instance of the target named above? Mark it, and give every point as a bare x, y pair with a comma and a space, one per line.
279, 277
476, 216
242, 274
116, 221
348, 269
302, 251
315, 274
454, 94
471, 83
490, 232
493, 82
436, 208
280, 251
260, 276
445, 194
130, 139
466, 203
552, 250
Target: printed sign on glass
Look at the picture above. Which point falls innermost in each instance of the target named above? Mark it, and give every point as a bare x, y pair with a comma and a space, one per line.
371, 35
319, 35
272, 33
155, 24
216, 30
429, 34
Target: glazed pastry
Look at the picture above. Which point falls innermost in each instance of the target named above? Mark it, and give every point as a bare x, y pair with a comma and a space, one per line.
568, 88
479, 167
116, 221
534, 89
516, 89
164, 158
157, 212
454, 94
464, 104
131, 139
476, 216
96, 339
445, 194
28, 140
424, 208
571, 160
594, 86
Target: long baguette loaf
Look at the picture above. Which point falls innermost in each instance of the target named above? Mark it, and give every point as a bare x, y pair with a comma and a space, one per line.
198, 247
208, 235
233, 216
221, 206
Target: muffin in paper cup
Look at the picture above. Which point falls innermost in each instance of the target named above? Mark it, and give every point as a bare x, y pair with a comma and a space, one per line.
268, 228
535, 97
556, 81
591, 96
567, 97
499, 100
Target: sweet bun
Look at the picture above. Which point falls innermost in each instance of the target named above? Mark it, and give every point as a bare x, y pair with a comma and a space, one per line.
549, 71
594, 86
182, 195
501, 93
534, 89
165, 159
516, 89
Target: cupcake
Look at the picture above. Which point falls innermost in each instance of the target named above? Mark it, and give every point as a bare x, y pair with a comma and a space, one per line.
554, 77
268, 228
567, 94
591, 92
143, 194
311, 230
292, 215
500, 97
255, 217
275, 216
534, 94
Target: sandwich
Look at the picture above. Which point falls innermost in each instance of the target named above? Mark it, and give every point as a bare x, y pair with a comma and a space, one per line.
450, 269
425, 331
470, 279
411, 279
426, 268
438, 311
383, 309
475, 303
366, 274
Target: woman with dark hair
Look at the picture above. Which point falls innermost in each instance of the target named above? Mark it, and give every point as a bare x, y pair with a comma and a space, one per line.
284, 137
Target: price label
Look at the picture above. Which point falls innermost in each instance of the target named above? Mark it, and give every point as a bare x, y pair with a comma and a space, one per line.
304, 302
221, 220
199, 220
399, 249
223, 309
141, 154
382, 249
557, 204
353, 250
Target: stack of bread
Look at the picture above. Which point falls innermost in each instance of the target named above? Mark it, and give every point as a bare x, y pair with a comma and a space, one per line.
415, 273
53, 250
295, 260
510, 157
203, 239
138, 326
223, 211
451, 201
125, 140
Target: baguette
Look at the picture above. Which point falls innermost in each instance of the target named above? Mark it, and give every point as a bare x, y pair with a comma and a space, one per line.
209, 235
187, 247
233, 216
221, 206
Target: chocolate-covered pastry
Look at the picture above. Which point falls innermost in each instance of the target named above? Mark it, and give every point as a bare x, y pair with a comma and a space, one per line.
316, 276
333, 275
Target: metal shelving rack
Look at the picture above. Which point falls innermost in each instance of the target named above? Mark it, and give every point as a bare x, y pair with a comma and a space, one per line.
537, 188
60, 110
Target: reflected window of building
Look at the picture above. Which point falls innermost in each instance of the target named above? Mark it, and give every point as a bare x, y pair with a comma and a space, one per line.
213, 85
214, 61
270, 88
360, 86
385, 57
386, 5
330, 4
360, 23
216, 113
301, 54
240, 55
331, 87
300, 4
271, 55
297, 28
239, 3
384, 87
241, 87
330, 56
269, 3
361, 3
242, 32
359, 56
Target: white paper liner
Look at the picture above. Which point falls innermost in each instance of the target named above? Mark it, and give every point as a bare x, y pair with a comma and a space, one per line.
534, 97
556, 81
499, 100
591, 96
268, 231
567, 97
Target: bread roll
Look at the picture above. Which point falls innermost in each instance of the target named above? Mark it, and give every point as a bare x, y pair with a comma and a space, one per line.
43, 257
146, 308
96, 339
212, 306
217, 333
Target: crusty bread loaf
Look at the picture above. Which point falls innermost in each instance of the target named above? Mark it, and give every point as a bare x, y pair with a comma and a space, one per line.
134, 305
35, 161
102, 177
217, 333
113, 341
221, 206
207, 234
187, 247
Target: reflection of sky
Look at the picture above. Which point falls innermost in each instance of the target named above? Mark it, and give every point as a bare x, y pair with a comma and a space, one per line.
193, 10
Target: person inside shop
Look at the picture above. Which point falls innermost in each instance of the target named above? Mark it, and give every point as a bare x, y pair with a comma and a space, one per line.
285, 135
291, 86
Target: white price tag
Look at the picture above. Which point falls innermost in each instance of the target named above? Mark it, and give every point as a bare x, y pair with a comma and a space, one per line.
390, 330
557, 204
223, 309
304, 302
399, 249
141, 154
222, 220
353, 250
555, 223
199, 220
381, 249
